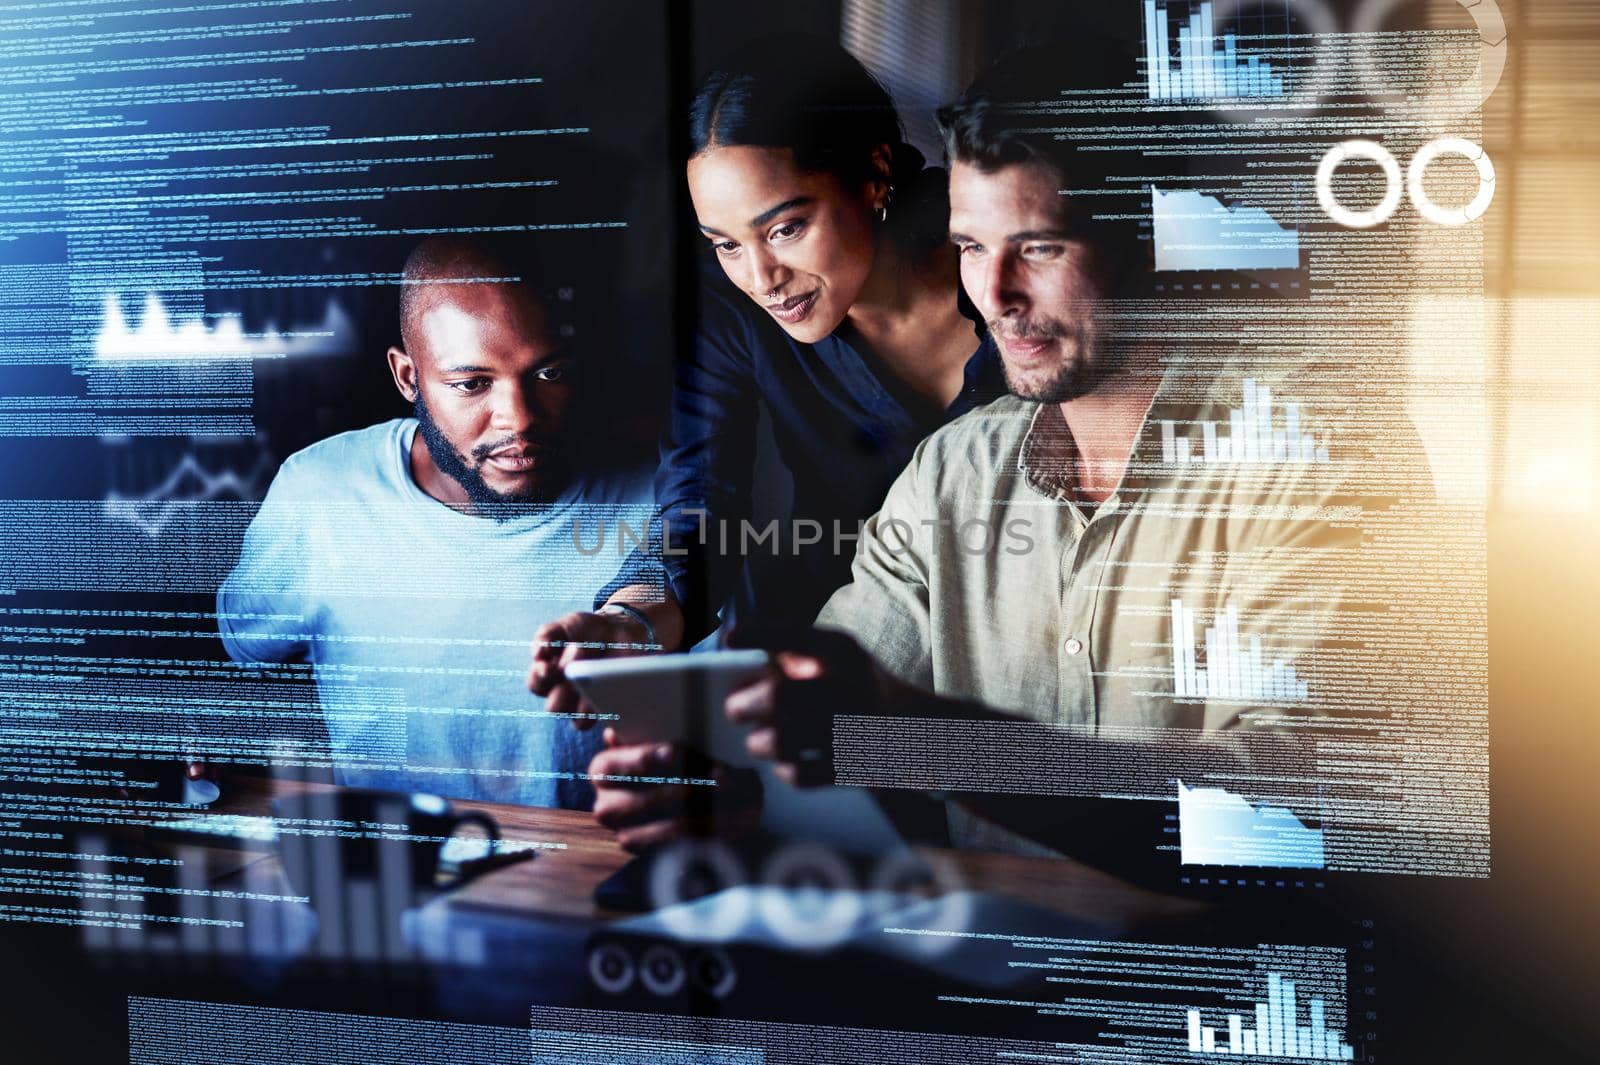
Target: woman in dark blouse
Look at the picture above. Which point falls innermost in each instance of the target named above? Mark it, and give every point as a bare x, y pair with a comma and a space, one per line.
839, 309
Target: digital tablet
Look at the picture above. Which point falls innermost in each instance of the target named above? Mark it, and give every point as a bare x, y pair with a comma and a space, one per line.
676, 698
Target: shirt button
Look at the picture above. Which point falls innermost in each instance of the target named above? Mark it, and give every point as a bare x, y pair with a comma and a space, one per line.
1074, 645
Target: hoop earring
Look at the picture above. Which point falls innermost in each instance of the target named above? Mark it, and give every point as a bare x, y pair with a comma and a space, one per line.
883, 208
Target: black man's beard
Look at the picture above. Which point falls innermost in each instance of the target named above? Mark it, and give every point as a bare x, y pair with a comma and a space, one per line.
502, 506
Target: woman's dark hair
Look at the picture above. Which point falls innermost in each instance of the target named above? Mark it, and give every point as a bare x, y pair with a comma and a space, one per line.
809, 95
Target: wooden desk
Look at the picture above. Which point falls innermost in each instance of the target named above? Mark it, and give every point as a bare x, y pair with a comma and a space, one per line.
560, 882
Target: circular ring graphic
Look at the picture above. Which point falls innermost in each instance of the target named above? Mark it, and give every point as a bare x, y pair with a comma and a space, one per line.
1359, 149
708, 868
661, 970
713, 972
1450, 216
808, 900
611, 968
949, 910
1462, 99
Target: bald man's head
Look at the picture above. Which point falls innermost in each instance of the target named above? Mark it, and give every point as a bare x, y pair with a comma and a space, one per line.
488, 382
443, 263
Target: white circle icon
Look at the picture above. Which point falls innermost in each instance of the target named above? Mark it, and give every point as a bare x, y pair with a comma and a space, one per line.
1450, 216
1359, 149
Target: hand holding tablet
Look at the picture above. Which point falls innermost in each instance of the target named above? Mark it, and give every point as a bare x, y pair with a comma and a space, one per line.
675, 698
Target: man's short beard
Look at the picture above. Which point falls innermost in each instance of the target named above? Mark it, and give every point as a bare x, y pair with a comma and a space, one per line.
1096, 360
502, 506
1071, 382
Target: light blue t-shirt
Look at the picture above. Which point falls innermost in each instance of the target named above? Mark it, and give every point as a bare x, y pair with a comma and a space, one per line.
417, 618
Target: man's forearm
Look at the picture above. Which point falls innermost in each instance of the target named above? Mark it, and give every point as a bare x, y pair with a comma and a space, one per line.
660, 608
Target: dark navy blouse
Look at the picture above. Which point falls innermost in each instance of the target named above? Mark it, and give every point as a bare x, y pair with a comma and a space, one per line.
844, 427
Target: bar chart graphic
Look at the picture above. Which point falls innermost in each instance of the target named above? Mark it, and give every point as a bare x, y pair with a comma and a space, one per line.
1194, 231
1277, 1032
161, 335
1248, 436
1206, 65
1235, 667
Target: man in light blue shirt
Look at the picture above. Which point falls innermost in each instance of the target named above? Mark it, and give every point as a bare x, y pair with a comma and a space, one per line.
408, 563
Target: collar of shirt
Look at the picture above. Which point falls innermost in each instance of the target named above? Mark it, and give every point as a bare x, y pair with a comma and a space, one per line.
1047, 459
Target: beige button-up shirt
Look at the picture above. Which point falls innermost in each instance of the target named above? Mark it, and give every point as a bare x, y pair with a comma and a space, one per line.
1196, 602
